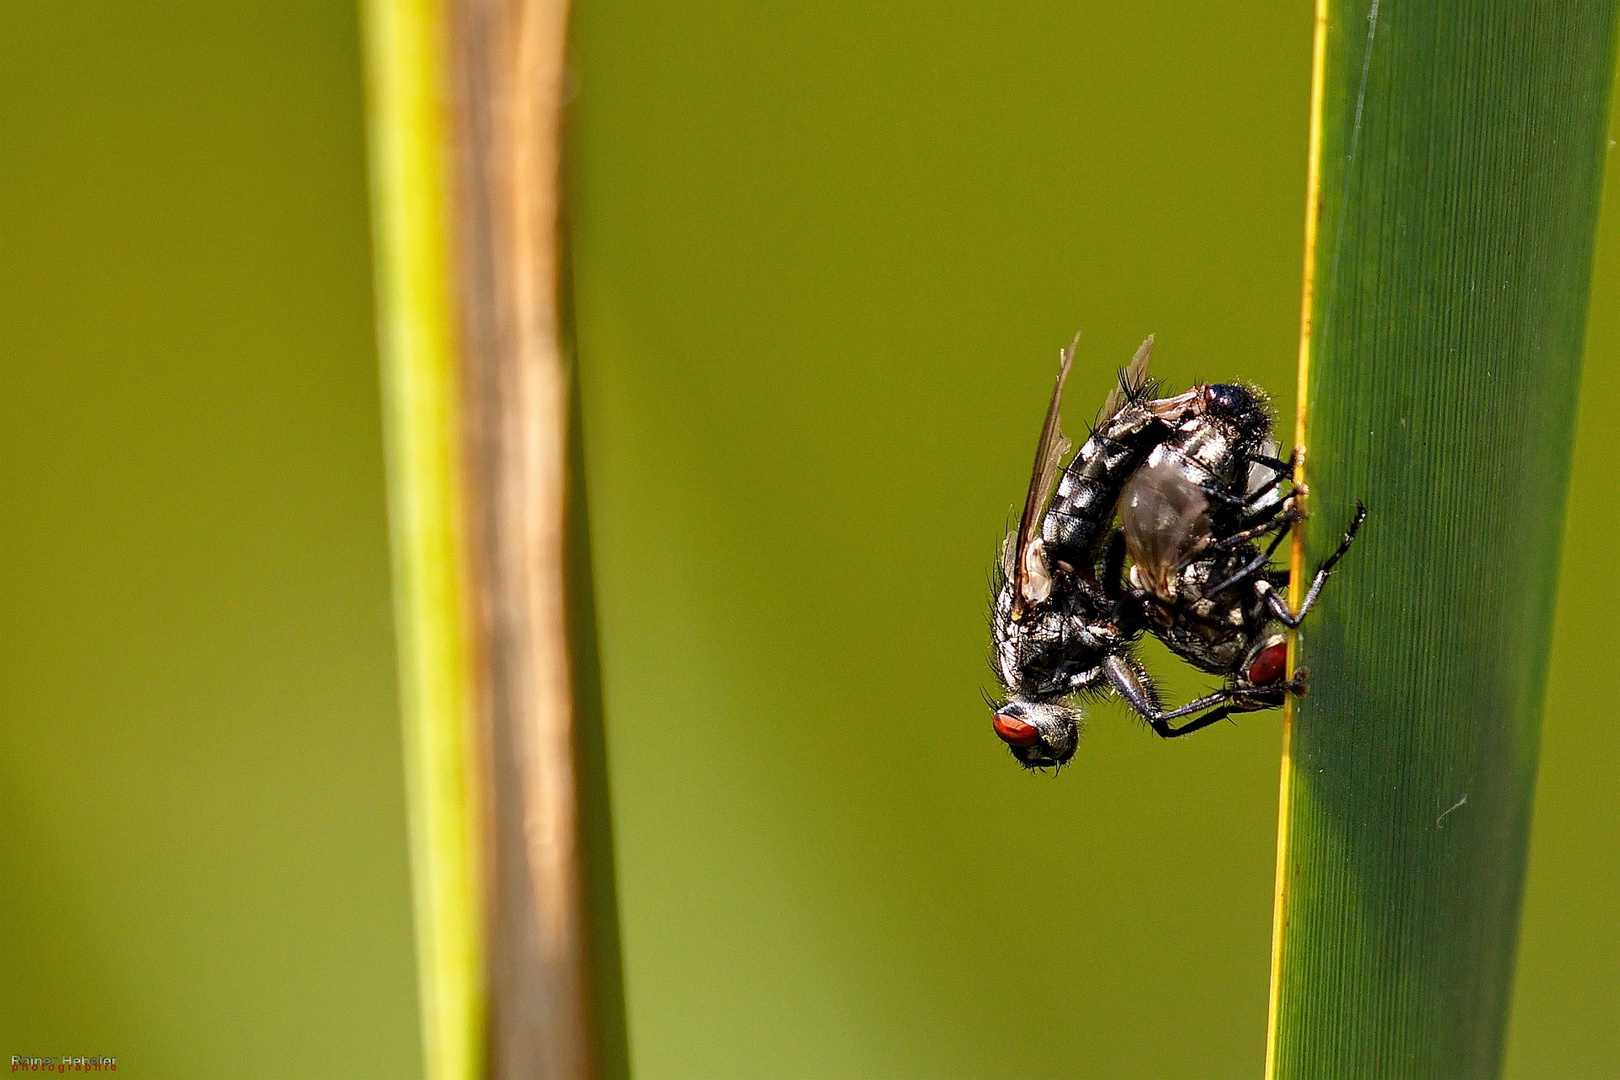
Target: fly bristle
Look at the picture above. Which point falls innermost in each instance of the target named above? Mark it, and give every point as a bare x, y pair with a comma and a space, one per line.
1133, 384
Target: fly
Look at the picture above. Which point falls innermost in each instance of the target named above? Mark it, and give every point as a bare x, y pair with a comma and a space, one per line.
1059, 628
1191, 516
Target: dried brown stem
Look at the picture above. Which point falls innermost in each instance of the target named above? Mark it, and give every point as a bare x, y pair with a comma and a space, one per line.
508, 118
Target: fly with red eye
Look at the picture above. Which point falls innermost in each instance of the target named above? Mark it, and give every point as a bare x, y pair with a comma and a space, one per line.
1191, 516
1056, 627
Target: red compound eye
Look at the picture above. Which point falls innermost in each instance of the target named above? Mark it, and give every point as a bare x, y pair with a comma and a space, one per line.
1014, 731
1269, 666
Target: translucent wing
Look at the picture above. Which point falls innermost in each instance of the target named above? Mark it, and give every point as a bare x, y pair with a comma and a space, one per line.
1031, 577
1166, 518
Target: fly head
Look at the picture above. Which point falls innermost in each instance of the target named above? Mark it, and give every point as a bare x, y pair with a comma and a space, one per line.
1039, 733
1246, 408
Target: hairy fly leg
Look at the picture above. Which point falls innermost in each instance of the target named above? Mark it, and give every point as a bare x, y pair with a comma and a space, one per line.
1261, 496
1131, 683
1277, 607
1244, 695
1282, 524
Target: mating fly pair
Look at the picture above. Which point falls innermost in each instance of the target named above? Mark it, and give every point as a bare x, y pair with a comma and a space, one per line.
1200, 485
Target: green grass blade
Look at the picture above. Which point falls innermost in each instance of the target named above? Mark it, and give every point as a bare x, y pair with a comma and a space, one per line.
406, 46
1460, 156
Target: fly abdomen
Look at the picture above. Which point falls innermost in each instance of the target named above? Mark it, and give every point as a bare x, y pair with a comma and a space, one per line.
1083, 506
1080, 508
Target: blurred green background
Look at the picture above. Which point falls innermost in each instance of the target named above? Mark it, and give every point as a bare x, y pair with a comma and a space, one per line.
825, 257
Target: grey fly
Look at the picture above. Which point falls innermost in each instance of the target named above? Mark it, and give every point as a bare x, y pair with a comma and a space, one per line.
1191, 516
1057, 630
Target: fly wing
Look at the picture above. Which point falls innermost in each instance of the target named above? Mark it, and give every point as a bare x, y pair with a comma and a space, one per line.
1133, 382
1166, 519
1031, 576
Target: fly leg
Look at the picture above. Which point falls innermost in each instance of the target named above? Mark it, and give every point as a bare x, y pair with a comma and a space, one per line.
1280, 470
1270, 512
1276, 520
1214, 716
1133, 686
1131, 683
1256, 564
1246, 701
1277, 607
1129, 605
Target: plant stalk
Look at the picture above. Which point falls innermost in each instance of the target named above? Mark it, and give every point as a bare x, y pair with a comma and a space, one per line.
467, 107
1457, 160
